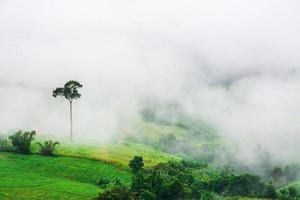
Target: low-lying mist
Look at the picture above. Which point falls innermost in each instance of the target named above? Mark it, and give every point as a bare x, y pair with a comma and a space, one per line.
233, 64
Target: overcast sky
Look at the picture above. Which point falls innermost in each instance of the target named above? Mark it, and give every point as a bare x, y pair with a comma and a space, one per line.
184, 50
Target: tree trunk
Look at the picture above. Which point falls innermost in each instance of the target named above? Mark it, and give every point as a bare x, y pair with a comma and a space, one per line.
71, 122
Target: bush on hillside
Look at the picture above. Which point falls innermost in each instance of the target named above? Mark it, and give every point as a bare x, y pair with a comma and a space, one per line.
136, 163
167, 143
22, 141
116, 181
5, 144
116, 193
103, 182
289, 193
48, 147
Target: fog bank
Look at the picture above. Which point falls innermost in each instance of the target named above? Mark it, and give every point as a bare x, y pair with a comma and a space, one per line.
235, 64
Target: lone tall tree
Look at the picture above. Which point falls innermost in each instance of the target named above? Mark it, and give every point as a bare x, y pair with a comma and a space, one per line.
70, 92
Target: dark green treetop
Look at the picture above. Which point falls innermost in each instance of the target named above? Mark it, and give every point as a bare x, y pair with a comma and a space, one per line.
69, 91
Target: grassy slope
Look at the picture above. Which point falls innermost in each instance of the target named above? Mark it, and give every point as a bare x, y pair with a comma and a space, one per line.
34, 177
181, 128
38, 177
195, 139
118, 155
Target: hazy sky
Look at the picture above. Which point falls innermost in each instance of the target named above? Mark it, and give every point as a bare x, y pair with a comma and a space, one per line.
183, 50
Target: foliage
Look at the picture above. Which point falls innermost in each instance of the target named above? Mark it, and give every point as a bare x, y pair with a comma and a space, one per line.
69, 91
136, 163
5, 144
233, 185
168, 143
179, 180
22, 141
147, 195
289, 193
270, 192
245, 185
205, 195
116, 181
291, 172
173, 180
189, 141
104, 182
48, 147
277, 173
116, 193
169, 181
282, 175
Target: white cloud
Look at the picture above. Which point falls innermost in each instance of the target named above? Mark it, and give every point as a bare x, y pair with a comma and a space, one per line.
124, 50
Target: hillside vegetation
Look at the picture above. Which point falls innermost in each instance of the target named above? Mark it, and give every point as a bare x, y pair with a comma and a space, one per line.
164, 155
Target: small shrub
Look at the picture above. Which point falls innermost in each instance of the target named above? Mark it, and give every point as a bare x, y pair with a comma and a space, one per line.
5, 144
22, 141
136, 163
147, 195
48, 147
117, 181
289, 193
116, 193
103, 182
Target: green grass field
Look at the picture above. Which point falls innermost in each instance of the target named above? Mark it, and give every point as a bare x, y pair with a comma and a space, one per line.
118, 155
37, 177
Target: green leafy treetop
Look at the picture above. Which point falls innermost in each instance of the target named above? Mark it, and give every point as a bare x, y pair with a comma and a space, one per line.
70, 92
136, 163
